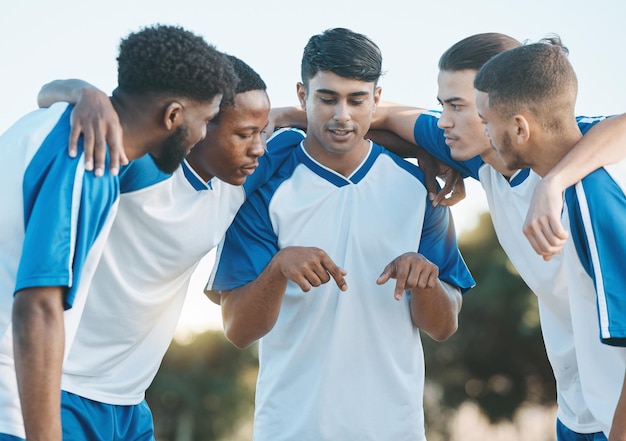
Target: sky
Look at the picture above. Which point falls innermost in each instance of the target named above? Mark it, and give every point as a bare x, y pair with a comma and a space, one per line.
43, 40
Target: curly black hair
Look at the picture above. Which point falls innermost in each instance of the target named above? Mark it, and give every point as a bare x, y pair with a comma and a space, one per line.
163, 59
249, 79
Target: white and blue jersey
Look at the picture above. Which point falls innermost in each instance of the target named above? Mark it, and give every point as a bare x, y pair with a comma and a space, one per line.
56, 219
509, 201
165, 225
596, 208
341, 365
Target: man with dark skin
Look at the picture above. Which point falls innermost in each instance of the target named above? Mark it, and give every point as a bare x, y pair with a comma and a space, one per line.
52, 238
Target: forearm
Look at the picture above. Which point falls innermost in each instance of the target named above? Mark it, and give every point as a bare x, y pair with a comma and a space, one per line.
250, 312
618, 427
396, 118
62, 90
288, 117
38, 341
436, 310
603, 144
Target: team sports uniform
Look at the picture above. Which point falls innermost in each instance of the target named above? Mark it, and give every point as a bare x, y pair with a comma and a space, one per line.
52, 232
341, 365
597, 209
509, 201
165, 225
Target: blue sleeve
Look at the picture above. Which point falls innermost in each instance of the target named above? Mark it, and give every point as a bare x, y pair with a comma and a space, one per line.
431, 138
247, 248
597, 210
65, 210
439, 245
279, 147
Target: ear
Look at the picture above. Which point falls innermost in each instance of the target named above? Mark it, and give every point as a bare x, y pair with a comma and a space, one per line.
522, 128
377, 93
173, 115
301, 92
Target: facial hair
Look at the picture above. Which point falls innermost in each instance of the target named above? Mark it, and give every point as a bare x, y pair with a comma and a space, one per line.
173, 150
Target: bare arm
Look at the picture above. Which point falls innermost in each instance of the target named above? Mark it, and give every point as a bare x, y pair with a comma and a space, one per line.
435, 305
396, 118
250, 312
618, 427
93, 117
38, 342
603, 144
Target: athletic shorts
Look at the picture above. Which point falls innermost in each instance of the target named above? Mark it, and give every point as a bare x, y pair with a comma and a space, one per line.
85, 419
6, 437
565, 434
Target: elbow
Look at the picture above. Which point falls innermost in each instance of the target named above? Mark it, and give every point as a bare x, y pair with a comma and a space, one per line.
242, 335
444, 332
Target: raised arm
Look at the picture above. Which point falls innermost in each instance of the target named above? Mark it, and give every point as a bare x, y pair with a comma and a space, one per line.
250, 312
603, 144
93, 117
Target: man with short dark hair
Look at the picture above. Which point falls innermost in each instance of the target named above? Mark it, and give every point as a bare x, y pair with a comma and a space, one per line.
526, 98
57, 217
340, 359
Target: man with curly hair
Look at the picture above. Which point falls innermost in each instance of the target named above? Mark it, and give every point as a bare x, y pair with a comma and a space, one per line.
57, 217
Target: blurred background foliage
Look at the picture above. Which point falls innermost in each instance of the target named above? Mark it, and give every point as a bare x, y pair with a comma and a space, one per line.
205, 390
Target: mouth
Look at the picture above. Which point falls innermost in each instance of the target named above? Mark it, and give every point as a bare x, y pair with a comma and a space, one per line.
340, 133
249, 169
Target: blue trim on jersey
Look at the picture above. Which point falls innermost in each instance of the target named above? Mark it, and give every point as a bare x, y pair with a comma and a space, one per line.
64, 212
519, 177
597, 211
193, 179
251, 241
279, 147
141, 173
331, 176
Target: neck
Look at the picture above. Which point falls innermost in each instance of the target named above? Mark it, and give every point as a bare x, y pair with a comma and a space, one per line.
552, 150
491, 157
136, 137
342, 162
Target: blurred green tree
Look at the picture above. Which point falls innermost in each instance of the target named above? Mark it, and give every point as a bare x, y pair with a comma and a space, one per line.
203, 389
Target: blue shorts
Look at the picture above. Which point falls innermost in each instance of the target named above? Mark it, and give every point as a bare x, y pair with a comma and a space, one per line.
5, 437
85, 419
565, 434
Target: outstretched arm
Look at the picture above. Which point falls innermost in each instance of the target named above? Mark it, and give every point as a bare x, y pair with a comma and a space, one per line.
38, 342
93, 117
603, 144
250, 312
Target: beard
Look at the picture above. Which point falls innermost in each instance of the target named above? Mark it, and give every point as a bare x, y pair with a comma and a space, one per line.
173, 151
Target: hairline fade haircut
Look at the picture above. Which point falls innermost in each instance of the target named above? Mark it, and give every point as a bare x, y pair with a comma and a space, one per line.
248, 80
472, 52
169, 60
343, 52
537, 77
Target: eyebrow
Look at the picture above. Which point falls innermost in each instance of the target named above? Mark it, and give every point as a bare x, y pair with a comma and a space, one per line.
451, 99
332, 92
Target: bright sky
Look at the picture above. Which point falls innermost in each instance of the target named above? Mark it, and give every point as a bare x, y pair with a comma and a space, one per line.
43, 40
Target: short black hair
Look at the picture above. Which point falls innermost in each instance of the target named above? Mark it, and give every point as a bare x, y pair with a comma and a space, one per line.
344, 53
161, 59
474, 51
537, 77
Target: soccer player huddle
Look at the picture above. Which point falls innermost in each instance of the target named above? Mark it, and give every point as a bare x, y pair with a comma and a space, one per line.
333, 252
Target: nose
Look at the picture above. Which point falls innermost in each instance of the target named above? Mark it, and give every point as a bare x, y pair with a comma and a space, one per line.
342, 112
445, 122
258, 146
